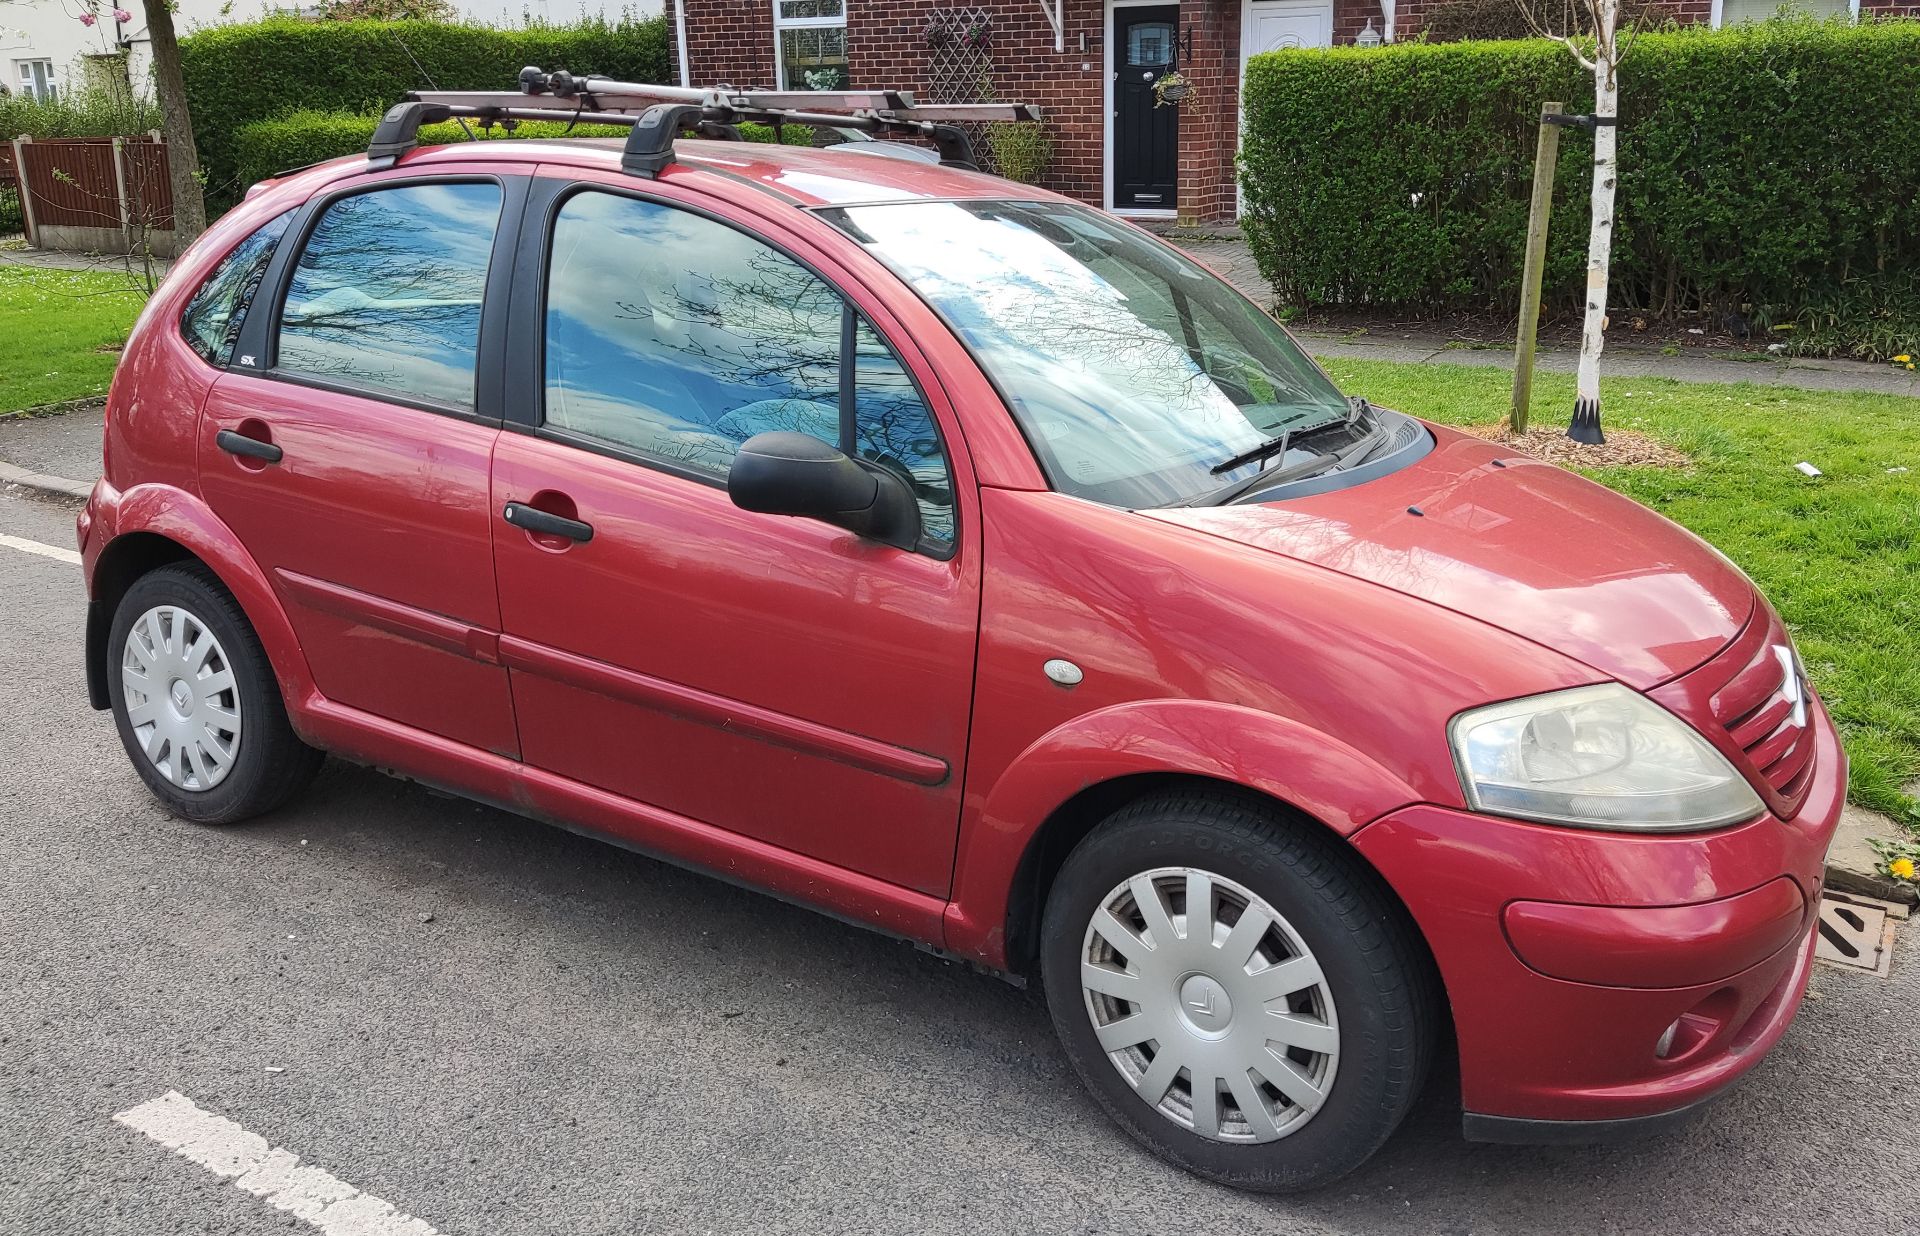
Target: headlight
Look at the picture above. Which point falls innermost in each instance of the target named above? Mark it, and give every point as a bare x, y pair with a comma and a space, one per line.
1597, 757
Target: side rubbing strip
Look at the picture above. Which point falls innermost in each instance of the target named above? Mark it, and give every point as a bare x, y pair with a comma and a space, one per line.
722, 713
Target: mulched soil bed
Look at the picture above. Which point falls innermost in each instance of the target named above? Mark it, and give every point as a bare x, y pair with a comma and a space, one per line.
1623, 448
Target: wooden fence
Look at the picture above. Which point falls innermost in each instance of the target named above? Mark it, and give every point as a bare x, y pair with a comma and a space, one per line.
94, 194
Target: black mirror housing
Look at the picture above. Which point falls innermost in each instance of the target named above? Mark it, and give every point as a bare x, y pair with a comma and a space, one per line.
783, 473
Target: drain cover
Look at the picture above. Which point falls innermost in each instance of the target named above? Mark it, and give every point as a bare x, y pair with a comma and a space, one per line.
1856, 932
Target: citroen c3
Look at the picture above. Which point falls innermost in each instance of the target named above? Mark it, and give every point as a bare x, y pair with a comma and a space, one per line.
972, 566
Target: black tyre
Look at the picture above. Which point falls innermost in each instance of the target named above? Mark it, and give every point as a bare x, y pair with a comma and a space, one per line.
1237, 989
196, 703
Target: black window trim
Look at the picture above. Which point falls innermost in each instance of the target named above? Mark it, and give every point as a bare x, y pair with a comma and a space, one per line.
526, 340
260, 332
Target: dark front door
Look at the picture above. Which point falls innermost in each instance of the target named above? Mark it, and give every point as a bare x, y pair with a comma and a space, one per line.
1146, 137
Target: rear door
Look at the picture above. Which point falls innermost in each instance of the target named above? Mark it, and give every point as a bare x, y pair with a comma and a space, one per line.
348, 446
776, 677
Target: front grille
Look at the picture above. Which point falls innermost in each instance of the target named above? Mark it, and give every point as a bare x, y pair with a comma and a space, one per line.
1759, 698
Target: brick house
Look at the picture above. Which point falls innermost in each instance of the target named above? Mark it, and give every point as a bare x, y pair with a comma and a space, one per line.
1089, 64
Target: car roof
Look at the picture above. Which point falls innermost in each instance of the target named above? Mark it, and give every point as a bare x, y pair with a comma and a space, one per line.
803, 176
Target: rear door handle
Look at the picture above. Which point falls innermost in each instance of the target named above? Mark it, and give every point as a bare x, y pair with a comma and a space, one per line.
533, 519
253, 448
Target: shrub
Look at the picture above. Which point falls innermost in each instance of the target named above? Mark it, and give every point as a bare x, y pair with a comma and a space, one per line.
268, 147
1021, 150
10, 217
1761, 170
239, 74
86, 113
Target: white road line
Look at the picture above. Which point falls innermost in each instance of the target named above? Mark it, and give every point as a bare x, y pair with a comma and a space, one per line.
34, 547
271, 1174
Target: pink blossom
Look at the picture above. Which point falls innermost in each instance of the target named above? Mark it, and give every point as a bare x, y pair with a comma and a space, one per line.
87, 19
122, 16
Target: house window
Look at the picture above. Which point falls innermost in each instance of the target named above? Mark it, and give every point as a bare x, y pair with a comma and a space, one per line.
810, 44
1733, 12
36, 80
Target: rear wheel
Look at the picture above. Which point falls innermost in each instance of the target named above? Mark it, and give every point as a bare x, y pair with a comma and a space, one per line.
195, 701
1238, 992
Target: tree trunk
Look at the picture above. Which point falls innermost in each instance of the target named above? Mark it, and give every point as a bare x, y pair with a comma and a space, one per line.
1606, 136
189, 204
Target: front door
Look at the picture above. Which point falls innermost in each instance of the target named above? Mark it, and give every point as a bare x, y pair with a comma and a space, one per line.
779, 678
1271, 25
1146, 130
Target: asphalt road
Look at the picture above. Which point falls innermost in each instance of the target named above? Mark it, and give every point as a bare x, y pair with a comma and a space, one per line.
582, 1041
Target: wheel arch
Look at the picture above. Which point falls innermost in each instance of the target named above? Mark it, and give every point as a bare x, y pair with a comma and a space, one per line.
154, 526
1071, 778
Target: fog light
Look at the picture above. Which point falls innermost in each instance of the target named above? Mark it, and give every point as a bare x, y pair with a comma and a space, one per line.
1665, 1045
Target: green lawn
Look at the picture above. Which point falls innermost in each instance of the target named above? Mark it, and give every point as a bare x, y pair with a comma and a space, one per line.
60, 333
1839, 554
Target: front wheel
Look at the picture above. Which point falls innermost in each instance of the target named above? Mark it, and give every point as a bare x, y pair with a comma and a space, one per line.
195, 701
1236, 990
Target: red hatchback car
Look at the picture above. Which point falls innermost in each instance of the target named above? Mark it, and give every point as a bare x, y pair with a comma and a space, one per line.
972, 566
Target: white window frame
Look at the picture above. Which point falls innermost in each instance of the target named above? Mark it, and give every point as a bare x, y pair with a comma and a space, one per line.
24, 79
1715, 18
803, 23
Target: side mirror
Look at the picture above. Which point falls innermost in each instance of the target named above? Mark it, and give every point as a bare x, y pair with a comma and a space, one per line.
792, 474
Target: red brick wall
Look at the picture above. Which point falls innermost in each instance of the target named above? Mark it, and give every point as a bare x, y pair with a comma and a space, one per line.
728, 41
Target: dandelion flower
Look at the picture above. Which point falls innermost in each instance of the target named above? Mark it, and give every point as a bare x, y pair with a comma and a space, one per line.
1902, 359
1902, 867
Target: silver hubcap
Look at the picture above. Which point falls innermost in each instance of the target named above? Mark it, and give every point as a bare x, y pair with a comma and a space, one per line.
182, 701
1211, 1006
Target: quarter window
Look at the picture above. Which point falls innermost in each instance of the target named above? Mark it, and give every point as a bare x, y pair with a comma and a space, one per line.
211, 322
810, 43
677, 338
387, 294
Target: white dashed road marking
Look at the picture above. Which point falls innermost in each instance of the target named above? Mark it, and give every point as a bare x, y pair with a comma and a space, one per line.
275, 1176
34, 547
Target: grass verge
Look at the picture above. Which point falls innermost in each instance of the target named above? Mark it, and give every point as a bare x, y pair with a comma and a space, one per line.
60, 333
1838, 554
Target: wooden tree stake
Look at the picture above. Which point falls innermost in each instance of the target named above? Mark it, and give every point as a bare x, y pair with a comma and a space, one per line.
1544, 157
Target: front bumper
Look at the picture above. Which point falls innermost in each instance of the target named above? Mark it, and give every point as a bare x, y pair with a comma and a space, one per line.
1630, 936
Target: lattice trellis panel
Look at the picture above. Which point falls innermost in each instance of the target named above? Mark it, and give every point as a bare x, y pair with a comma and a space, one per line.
960, 67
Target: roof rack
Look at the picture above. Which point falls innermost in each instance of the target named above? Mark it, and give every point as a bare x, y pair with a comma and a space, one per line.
659, 114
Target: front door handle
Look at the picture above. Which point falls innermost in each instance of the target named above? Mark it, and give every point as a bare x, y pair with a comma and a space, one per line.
533, 519
253, 448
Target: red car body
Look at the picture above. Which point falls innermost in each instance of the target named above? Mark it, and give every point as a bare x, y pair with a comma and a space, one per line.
883, 748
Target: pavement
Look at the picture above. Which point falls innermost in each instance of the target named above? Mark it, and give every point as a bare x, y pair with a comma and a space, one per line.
500, 1027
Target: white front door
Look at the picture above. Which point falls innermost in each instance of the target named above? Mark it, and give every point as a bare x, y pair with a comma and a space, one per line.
1269, 25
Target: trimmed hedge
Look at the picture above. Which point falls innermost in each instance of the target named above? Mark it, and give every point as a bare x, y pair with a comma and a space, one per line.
1765, 170
239, 74
268, 147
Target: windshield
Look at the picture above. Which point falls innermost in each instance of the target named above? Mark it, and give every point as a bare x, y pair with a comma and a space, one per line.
1133, 371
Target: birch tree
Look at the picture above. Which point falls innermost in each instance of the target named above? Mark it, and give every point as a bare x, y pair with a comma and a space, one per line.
1590, 29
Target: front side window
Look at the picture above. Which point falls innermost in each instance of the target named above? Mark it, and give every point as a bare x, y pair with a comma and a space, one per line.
211, 321
386, 296
676, 338
1134, 372
810, 42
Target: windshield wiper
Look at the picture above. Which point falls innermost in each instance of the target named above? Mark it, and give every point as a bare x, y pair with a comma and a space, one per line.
1272, 446
1353, 453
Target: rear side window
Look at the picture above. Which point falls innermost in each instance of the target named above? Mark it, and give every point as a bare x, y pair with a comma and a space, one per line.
211, 323
678, 338
386, 296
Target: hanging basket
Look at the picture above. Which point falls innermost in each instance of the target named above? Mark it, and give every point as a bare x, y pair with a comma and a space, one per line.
1172, 90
